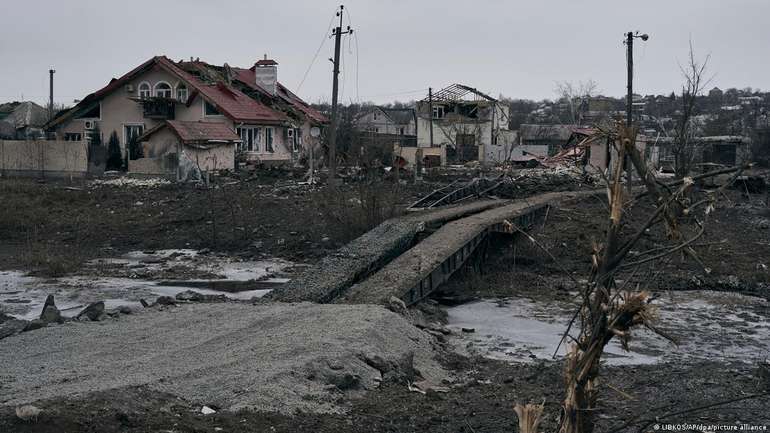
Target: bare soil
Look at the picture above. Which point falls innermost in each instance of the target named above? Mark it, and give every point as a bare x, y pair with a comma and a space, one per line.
736, 248
53, 227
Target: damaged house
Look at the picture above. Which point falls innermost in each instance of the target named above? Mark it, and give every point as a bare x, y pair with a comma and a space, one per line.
459, 124
381, 130
22, 120
162, 112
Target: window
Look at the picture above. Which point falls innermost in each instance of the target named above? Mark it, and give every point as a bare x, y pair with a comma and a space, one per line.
144, 90
181, 93
251, 137
210, 110
163, 90
377, 130
375, 115
269, 140
72, 136
297, 140
401, 131
438, 112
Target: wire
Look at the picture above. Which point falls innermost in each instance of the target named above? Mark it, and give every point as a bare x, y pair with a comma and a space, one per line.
315, 57
355, 36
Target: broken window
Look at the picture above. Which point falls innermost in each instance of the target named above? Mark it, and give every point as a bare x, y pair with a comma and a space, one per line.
294, 136
72, 136
438, 111
163, 90
144, 90
251, 137
210, 110
269, 140
181, 93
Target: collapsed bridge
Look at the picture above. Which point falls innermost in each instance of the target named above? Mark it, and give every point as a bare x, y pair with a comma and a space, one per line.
409, 257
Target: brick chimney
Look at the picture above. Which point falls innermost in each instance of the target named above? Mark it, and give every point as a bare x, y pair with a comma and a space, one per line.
266, 73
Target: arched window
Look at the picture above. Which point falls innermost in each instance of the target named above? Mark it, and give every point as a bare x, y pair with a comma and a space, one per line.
163, 90
181, 92
144, 90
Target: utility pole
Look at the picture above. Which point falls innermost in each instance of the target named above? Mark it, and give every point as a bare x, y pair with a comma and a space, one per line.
430, 113
630, 87
337, 33
50, 96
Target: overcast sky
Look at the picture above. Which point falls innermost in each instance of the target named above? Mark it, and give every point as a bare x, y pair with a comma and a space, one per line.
515, 48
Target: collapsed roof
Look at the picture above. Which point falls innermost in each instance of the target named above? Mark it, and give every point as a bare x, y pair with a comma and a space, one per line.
460, 92
232, 102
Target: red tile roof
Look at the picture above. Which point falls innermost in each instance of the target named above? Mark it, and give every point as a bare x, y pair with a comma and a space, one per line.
230, 101
190, 132
247, 77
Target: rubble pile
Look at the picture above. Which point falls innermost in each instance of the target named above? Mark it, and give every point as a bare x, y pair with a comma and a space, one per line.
130, 182
533, 181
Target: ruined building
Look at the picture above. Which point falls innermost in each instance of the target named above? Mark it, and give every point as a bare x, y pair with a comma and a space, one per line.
459, 124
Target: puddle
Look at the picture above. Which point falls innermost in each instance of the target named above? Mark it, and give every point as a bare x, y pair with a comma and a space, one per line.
141, 275
708, 326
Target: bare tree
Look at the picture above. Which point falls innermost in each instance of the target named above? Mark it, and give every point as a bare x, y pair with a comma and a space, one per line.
683, 148
609, 310
576, 96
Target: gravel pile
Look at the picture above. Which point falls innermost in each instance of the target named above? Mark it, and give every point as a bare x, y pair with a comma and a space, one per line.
273, 357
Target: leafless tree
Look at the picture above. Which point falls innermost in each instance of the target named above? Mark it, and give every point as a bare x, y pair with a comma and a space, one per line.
609, 310
683, 148
576, 96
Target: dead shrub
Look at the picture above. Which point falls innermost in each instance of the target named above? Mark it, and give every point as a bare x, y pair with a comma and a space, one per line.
351, 210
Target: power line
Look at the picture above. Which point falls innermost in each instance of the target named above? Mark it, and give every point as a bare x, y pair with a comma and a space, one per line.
315, 57
407, 92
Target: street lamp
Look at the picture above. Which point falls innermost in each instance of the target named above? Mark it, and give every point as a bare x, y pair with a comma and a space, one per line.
630, 36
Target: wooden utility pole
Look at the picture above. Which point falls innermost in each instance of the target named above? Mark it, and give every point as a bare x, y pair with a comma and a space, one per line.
337, 33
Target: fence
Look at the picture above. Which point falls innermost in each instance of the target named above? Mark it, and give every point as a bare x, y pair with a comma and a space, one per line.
43, 158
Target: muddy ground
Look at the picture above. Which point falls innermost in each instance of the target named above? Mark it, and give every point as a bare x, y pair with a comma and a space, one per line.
55, 226
736, 248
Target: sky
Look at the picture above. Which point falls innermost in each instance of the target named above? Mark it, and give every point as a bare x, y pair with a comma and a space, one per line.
399, 48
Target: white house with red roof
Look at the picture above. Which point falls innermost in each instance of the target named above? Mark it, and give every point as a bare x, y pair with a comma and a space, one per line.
267, 123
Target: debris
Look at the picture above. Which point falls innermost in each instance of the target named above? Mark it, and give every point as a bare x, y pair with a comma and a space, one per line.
207, 410
130, 182
28, 413
35, 324
94, 312
165, 300
12, 327
397, 305
50, 313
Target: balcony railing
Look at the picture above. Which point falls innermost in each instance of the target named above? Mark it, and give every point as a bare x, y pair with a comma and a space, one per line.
159, 108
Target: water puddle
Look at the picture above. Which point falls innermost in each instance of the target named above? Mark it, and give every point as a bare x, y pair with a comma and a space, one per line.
123, 281
707, 325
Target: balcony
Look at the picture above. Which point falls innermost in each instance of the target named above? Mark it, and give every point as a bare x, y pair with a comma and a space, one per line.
158, 108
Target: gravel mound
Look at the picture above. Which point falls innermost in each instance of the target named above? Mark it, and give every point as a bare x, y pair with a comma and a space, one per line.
272, 357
